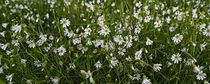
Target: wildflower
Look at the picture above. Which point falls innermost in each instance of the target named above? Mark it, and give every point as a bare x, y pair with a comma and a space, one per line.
72, 65
61, 50
2, 34
157, 67
55, 80
68, 33
121, 51
114, 62
202, 46
190, 61
171, 29
9, 77
37, 63
51, 37
4, 25
136, 77
177, 38
206, 82
158, 23
88, 31
1, 70
197, 68
104, 31
23, 61
147, 19
65, 22
40, 42
88, 75
3, 46
146, 81
206, 32
16, 28
77, 41
139, 4
149, 42
176, 58
137, 30
31, 44
15, 42
119, 39
138, 54
168, 19
43, 36
201, 75
98, 64
28, 82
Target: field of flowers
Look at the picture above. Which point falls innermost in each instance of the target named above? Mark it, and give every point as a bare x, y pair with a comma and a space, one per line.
104, 41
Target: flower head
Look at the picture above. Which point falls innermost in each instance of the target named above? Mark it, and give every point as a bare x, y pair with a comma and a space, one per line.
176, 58
65, 22
177, 38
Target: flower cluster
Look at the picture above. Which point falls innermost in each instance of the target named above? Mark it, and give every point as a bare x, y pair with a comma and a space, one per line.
104, 41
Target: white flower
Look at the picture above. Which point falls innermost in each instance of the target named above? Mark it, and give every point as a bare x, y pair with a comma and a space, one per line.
121, 51
31, 44
51, 37
171, 29
137, 30
119, 39
157, 67
43, 37
23, 61
176, 58
98, 64
3, 46
65, 22
149, 42
190, 61
138, 54
139, 4
28, 81
1, 70
15, 42
88, 75
4, 25
68, 34
88, 31
206, 32
168, 19
72, 65
104, 31
101, 21
147, 19
37, 63
9, 77
136, 77
2, 34
197, 69
146, 81
16, 28
55, 80
77, 41
61, 50
202, 46
114, 62
177, 38
40, 42
201, 75
158, 23
206, 82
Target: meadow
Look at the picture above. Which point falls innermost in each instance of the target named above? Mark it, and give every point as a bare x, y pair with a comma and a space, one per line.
104, 41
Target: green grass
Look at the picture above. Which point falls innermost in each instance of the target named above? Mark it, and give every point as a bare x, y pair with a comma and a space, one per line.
121, 23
